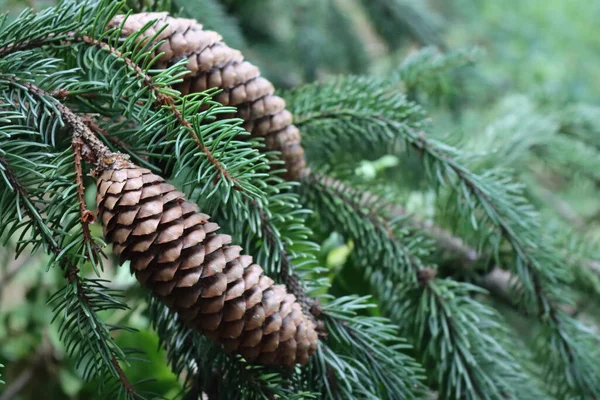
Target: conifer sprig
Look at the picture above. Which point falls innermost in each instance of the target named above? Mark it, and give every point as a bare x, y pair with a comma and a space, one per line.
462, 355
87, 338
54, 24
363, 357
491, 203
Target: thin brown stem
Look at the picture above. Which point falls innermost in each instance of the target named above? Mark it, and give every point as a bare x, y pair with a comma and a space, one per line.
63, 94
124, 380
86, 217
27, 45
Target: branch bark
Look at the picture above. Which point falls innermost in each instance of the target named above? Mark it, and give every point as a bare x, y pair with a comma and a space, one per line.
102, 156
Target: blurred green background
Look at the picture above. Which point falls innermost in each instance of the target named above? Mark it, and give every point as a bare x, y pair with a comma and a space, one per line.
524, 70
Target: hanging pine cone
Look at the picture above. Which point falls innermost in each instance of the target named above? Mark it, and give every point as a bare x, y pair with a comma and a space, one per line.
213, 64
177, 253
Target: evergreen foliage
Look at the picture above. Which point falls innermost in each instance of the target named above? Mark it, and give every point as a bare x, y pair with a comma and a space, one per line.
444, 237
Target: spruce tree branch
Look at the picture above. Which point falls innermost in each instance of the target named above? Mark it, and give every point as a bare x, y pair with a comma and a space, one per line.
30, 209
489, 199
497, 281
72, 275
425, 276
101, 153
545, 305
446, 241
423, 145
161, 99
468, 257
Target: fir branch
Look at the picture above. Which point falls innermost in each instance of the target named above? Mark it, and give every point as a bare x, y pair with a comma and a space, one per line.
362, 357
79, 301
35, 214
53, 187
32, 189
161, 99
100, 152
473, 370
492, 203
170, 123
54, 24
81, 298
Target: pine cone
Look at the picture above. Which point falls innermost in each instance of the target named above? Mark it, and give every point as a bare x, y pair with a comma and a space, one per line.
215, 65
180, 257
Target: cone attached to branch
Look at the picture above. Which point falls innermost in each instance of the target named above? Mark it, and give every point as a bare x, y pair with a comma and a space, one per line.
177, 253
213, 64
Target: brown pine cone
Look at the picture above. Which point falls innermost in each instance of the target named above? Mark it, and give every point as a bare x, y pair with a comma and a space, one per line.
213, 64
177, 253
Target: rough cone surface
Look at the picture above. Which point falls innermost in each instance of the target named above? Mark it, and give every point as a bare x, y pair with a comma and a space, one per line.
177, 253
213, 64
